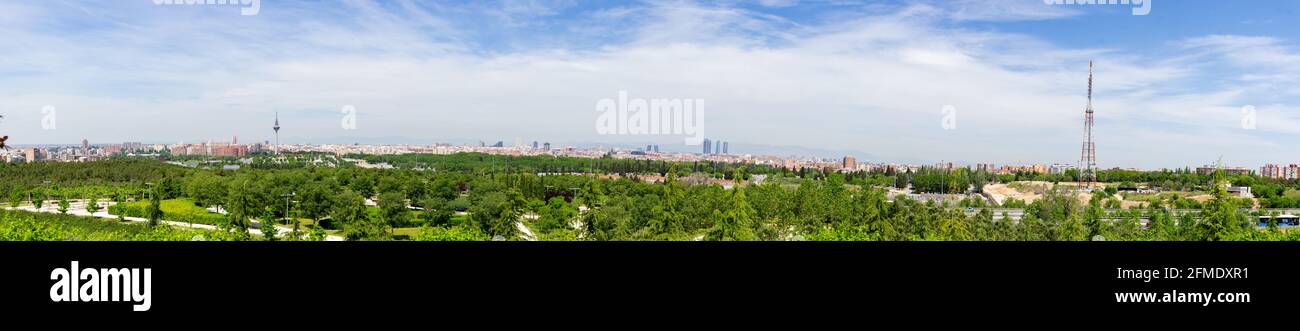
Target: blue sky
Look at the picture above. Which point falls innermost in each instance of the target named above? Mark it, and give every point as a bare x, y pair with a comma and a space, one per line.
869, 77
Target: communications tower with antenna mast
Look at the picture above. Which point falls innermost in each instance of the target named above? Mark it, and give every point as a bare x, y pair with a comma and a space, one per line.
277, 132
1088, 159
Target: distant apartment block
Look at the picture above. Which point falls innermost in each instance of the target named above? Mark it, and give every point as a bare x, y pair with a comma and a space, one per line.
1210, 170
792, 164
1275, 171
1061, 168
33, 155
218, 149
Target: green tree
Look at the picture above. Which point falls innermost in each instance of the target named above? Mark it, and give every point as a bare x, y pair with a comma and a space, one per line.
393, 210
267, 225
1013, 203
1159, 225
671, 218
348, 207
556, 215
606, 223
243, 203
92, 205
15, 199
455, 233
295, 232
1220, 219
1272, 222
735, 223
437, 211
154, 212
1094, 221
315, 200
955, 228
512, 208
1073, 229
317, 234
27, 228
207, 190
368, 227
349, 212
64, 205
1113, 203
38, 199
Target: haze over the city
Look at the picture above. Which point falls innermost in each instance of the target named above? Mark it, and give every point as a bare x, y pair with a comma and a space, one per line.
869, 78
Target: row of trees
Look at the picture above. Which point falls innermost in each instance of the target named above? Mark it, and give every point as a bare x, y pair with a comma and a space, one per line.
28, 226
934, 180
372, 204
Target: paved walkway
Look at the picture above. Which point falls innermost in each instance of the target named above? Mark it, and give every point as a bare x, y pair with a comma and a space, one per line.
78, 208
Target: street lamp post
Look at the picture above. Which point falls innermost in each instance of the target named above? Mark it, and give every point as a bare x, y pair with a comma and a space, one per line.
287, 196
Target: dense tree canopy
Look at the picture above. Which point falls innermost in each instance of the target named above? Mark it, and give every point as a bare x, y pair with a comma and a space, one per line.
479, 196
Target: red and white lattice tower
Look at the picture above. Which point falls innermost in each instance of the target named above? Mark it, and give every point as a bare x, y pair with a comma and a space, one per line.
1088, 161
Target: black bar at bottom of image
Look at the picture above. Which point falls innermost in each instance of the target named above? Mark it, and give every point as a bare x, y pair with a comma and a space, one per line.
809, 277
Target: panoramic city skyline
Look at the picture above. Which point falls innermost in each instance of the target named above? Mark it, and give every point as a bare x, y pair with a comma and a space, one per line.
870, 79
315, 160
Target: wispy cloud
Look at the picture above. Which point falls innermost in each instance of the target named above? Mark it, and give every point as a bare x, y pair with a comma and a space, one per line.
871, 79
1007, 10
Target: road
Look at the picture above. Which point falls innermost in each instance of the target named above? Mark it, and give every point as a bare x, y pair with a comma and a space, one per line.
524, 232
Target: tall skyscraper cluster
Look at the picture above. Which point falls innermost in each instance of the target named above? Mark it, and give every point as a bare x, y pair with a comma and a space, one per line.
714, 147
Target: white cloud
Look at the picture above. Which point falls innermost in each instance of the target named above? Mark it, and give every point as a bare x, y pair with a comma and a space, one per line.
871, 83
1007, 10
778, 3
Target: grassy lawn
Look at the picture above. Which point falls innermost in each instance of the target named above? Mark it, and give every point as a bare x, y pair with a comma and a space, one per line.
174, 206
29, 226
374, 212
1163, 195
415, 230
303, 223
1292, 193
786, 182
416, 221
406, 231
179, 210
